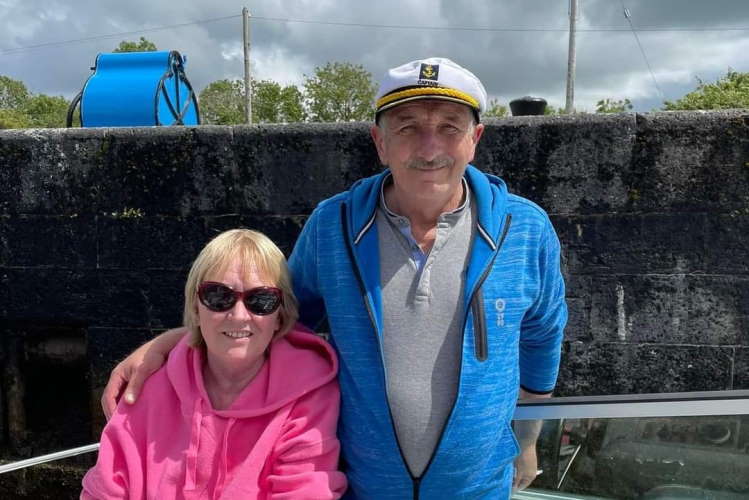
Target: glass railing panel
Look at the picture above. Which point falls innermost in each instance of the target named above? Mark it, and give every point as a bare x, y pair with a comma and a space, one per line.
658, 457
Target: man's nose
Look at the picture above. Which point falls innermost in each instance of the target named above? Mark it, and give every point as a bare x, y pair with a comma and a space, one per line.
430, 146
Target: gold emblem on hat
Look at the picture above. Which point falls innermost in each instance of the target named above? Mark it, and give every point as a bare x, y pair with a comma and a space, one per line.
429, 72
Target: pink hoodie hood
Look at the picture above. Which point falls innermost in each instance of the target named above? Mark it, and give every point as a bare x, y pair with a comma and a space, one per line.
296, 364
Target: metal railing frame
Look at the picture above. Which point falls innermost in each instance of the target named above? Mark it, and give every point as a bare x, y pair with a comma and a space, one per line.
625, 406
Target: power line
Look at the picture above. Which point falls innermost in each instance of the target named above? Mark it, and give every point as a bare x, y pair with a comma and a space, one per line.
642, 51
590, 29
114, 35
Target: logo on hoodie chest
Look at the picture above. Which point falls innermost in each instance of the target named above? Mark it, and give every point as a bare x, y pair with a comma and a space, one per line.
499, 306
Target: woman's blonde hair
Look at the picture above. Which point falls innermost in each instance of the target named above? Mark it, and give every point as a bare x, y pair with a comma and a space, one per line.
255, 251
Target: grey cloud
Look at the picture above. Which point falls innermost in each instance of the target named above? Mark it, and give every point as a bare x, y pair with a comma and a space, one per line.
510, 64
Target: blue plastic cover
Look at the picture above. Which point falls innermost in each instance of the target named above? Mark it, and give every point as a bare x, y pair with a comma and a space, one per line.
131, 89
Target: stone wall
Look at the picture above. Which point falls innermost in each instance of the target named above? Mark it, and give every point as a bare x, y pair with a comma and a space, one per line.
98, 228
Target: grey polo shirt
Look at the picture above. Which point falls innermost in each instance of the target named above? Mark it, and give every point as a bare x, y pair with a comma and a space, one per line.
422, 324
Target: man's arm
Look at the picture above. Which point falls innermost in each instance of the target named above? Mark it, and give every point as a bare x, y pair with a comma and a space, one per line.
303, 268
130, 374
526, 432
540, 342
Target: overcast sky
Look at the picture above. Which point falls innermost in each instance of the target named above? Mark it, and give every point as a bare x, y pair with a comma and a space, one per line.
516, 47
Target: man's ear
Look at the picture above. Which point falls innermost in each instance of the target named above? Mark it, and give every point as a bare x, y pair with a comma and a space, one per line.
478, 131
378, 137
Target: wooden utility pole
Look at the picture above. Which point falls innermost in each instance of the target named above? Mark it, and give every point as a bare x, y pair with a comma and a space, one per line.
247, 80
570, 104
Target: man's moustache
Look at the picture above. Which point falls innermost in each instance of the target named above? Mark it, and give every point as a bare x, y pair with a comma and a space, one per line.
439, 162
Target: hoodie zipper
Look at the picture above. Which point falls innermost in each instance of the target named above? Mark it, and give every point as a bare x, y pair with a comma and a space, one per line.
363, 289
480, 338
481, 341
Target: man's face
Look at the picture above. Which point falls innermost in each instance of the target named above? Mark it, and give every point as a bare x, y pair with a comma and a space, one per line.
427, 145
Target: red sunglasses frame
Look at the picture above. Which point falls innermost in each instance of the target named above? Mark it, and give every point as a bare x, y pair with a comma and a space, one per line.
241, 296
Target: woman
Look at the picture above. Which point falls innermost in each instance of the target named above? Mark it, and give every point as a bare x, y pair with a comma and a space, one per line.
246, 405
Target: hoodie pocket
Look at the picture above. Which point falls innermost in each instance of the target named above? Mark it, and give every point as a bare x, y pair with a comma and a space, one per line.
480, 340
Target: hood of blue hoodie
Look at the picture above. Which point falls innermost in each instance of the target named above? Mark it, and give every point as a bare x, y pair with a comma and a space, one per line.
489, 191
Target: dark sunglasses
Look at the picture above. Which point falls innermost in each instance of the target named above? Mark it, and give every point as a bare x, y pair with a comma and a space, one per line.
218, 297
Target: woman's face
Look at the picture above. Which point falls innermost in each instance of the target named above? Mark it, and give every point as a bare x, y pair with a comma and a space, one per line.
237, 336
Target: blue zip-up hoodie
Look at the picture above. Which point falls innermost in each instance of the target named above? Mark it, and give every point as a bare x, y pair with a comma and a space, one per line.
512, 330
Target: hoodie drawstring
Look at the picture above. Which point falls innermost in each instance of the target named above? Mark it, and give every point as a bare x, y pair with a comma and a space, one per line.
224, 456
191, 460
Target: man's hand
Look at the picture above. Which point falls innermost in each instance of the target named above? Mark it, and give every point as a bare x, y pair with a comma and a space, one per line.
526, 432
130, 374
526, 468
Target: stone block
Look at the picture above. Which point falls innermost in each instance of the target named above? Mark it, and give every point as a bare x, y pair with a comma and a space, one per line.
121, 299
288, 169
690, 309
727, 250
578, 322
599, 368
132, 241
49, 295
165, 298
566, 164
634, 243
283, 230
51, 171
576, 237
690, 161
150, 172
47, 241
108, 345
741, 369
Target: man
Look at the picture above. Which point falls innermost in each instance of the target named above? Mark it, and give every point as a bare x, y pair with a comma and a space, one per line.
444, 299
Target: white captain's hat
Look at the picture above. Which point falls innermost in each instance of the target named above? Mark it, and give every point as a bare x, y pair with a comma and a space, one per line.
431, 78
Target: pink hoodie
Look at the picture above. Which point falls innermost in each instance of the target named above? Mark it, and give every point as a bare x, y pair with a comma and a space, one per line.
276, 441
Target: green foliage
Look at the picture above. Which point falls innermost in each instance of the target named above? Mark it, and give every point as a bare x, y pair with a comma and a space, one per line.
340, 92
729, 91
495, 110
551, 110
46, 111
19, 108
13, 93
611, 106
272, 103
142, 45
222, 103
13, 118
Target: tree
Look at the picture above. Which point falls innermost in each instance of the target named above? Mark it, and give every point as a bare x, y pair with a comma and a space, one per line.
142, 45
495, 110
46, 111
222, 103
272, 103
611, 106
13, 93
13, 118
729, 91
340, 92
19, 108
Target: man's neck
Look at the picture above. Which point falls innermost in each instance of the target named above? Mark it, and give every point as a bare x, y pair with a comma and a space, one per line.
418, 211
422, 216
